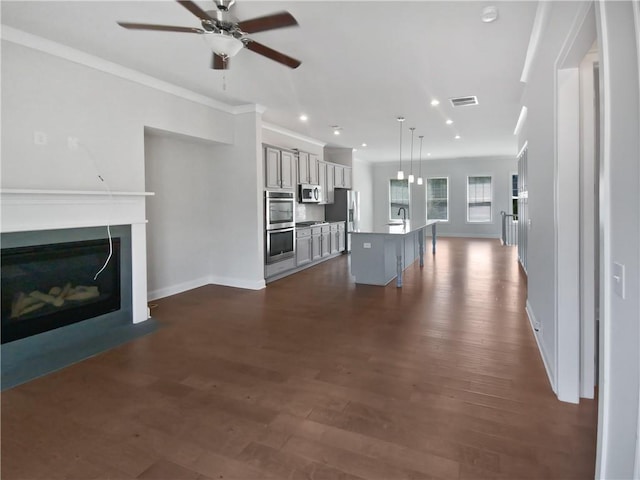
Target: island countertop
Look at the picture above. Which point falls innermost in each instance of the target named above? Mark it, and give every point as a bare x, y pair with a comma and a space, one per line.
404, 228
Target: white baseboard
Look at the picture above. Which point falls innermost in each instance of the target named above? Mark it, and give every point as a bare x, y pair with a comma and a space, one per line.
179, 288
535, 328
200, 282
238, 282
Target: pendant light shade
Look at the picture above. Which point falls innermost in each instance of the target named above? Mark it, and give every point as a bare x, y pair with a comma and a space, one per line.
411, 177
420, 174
400, 175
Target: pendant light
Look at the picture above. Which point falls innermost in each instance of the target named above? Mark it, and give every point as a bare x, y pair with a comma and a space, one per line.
420, 174
411, 177
400, 175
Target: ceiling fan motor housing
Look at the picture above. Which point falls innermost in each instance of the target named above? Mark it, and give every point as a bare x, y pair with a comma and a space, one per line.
224, 4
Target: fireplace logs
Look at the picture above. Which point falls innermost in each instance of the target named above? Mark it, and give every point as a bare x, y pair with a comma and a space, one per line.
23, 304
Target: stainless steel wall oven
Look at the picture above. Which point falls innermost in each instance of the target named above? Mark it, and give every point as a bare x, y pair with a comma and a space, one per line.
279, 223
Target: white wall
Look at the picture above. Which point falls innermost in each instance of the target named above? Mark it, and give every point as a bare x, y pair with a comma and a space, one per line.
108, 114
457, 170
180, 227
618, 30
42, 92
539, 131
620, 224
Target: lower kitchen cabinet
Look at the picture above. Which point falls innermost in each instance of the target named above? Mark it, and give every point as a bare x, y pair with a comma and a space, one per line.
303, 246
341, 238
335, 242
326, 241
316, 243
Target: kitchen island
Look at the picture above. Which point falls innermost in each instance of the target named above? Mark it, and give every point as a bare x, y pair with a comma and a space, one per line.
381, 254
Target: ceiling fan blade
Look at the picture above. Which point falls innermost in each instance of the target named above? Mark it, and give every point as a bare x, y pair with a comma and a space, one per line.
163, 28
218, 62
268, 22
195, 9
273, 54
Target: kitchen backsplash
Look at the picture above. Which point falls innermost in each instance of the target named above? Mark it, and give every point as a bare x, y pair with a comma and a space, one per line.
306, 212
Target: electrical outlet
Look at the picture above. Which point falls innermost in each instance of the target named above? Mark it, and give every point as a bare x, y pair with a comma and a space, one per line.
40, 138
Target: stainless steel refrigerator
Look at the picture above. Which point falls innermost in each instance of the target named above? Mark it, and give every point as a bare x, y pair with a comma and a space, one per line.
345, 208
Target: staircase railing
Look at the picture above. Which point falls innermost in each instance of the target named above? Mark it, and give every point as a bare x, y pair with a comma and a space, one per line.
509, 228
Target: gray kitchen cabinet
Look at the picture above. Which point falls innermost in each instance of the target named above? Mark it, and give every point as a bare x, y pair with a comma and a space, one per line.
326, 241
313, 169
341, 238
272, 167
342, 176
338, 176
278, 168
322, 181
303, 167
316, 243
330, 183
303, 246
287, 160
334, 240
347, 177
308, 168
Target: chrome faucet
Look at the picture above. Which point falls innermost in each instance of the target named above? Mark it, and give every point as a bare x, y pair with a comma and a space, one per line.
404, 214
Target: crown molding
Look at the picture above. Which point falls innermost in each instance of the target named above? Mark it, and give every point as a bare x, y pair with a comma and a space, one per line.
539, 26
292, 134
65, 52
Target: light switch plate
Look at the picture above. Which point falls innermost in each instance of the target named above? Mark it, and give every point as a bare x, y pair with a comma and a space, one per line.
366, 245
618, 279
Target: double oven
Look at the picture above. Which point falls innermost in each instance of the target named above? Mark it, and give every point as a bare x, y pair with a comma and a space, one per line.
279, 207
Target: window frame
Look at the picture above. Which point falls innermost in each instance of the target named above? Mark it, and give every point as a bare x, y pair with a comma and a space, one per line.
517, 192
427, 195
408, 208
480, 222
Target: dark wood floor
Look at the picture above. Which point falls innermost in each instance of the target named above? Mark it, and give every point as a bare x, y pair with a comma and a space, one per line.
315, 377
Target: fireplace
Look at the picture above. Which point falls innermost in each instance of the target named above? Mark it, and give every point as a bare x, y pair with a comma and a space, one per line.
45, 287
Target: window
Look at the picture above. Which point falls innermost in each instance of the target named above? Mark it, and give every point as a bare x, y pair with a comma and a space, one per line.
479, 197
514, 194
398, 198
438, 199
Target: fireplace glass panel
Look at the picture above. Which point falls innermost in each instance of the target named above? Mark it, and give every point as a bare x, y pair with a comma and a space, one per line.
49, 286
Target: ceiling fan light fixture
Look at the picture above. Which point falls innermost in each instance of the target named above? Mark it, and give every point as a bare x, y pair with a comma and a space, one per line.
223, 44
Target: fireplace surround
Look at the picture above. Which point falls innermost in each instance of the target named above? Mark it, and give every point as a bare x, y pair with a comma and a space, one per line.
56, 284
51, 217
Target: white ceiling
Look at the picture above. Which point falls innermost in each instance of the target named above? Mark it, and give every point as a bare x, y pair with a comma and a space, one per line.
363, 64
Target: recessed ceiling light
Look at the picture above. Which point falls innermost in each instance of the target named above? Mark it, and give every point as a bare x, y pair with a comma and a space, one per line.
457, 137
435, 102
449, 122
303, 118
429, 154
489, 14
336, 132
364, 144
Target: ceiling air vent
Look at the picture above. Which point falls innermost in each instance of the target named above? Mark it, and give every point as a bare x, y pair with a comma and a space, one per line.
464, 101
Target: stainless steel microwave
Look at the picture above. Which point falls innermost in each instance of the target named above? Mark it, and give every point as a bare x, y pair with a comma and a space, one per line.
309, 194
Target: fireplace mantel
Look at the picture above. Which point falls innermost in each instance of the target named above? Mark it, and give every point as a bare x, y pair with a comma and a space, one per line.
26, 210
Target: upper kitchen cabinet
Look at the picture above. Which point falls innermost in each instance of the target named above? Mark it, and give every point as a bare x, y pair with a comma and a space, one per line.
342, 176
279, 168
314, 170
329, 195
308, 169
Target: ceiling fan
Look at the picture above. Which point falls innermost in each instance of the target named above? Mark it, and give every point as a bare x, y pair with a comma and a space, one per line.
226, 35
